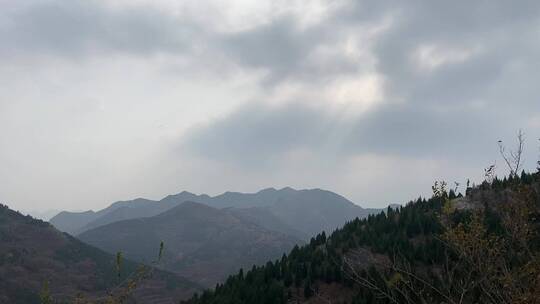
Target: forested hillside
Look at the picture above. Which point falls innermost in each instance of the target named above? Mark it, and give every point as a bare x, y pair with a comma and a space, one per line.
481, 248
39, 263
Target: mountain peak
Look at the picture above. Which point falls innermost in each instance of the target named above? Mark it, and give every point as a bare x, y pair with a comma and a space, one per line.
181, 194
288, 189
268, 190
189, 208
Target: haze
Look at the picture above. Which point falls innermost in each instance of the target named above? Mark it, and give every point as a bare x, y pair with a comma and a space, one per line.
110, 100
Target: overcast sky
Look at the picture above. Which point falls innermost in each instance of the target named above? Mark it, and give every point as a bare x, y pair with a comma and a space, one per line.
111, 100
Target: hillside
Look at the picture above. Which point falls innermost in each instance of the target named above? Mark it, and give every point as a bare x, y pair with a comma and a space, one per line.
265, 218
302, 212
204, 244
481, 248
33, 252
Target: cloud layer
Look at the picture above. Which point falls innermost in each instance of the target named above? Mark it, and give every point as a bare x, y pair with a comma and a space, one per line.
103, 101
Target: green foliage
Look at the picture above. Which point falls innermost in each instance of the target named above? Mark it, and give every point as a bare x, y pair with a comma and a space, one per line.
410, 233
322, 259
45, 294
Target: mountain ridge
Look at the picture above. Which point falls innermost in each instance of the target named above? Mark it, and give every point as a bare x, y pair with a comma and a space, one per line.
203, 243
278, 202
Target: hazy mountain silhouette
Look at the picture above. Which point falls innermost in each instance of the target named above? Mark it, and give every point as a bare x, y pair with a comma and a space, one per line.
203, 243
301, 213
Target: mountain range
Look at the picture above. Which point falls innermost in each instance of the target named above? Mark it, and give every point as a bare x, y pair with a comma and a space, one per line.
409, 254
207, 238
307, 212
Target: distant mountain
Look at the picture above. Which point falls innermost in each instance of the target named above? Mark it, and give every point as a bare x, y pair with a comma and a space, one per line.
312, 211
203, 244
127, 210
44, 215
300, 213
307, 211
71, 222
33, 252
77, 222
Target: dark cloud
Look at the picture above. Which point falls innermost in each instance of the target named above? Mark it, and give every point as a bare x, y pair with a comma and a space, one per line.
455, 76
258, 134
80, 28
75, 28
284, 49
278, 45
482, 86
503, 34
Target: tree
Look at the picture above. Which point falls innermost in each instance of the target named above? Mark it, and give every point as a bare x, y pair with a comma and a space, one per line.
512, 158
121, 292
308, 288
491, 254
45, 294
538, 162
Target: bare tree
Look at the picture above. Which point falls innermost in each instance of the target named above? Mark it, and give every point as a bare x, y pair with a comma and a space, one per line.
456, 187
480, 266
512, 158
489, 174
538, 162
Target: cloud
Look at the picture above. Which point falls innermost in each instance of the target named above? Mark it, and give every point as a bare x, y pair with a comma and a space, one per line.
258, 134
78, 28
485, 41
453, 81
316, 93
286, 51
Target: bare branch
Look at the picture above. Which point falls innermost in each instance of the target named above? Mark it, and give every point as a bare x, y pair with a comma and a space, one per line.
513, 158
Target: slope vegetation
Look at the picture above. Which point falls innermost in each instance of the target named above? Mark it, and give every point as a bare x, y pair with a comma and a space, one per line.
33, 252
481, 248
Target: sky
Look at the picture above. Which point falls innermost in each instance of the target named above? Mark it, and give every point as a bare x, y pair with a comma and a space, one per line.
103, 101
